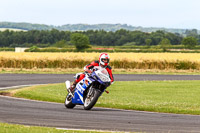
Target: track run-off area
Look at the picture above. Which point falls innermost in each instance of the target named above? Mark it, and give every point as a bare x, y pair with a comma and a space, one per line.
30, 112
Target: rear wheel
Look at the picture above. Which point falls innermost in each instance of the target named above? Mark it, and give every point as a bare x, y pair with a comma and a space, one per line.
68, 102
91, 98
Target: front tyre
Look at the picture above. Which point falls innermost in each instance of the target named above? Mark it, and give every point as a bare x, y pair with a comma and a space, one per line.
91, 98
68, 102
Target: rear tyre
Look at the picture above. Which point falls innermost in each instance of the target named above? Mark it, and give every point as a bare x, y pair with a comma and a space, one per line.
68, 102
91, 99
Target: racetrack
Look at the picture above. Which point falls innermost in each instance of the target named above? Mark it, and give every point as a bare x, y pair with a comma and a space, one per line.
7, 80
56, 115
28, 112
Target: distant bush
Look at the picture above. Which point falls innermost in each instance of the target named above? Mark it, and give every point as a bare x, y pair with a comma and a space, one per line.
7, 49
50, 49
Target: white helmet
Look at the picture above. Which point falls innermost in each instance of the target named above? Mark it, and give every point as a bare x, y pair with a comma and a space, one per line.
104, 59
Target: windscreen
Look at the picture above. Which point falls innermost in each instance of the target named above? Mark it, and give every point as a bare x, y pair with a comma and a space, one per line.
103, 70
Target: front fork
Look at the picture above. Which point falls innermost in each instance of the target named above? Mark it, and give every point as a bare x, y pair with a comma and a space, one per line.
67, 83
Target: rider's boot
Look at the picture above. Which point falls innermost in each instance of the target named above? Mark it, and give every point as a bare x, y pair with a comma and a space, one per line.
72, 87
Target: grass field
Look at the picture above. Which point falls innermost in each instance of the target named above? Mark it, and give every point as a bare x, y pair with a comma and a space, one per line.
180, 97
11, 128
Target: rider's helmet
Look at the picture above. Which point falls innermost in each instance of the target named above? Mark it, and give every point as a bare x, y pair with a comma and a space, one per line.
104, 59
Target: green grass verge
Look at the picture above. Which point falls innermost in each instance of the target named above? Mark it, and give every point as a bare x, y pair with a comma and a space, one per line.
180, 97
115, 71
12, 128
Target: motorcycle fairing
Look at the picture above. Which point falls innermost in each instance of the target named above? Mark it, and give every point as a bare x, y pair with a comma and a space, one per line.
79, 90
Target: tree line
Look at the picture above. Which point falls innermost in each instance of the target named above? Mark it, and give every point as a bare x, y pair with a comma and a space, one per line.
85, 27
46, 38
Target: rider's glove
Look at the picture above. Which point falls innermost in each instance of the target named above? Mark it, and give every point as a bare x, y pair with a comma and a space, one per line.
88, 71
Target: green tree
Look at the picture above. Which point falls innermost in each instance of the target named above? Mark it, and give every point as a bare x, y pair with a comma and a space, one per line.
193, 33
189, 42
156, 37
175, 39
148, 42
164, 43
80, 41
61, 44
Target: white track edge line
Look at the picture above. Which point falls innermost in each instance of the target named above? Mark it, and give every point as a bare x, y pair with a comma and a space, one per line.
21, 86
76, 129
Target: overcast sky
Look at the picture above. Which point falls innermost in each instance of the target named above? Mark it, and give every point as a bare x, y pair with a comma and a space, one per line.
146, 13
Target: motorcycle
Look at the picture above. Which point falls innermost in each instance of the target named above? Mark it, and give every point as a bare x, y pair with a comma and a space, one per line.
89, 89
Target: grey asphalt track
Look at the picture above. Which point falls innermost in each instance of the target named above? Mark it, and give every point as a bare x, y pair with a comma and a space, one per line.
27, 112
7, 80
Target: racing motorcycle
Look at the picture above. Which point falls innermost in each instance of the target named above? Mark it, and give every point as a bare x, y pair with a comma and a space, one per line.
89, 89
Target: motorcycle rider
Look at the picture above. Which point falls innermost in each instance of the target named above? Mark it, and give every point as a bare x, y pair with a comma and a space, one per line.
103, 61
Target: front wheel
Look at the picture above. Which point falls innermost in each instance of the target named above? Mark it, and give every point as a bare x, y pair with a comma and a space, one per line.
68, 102
91, 98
